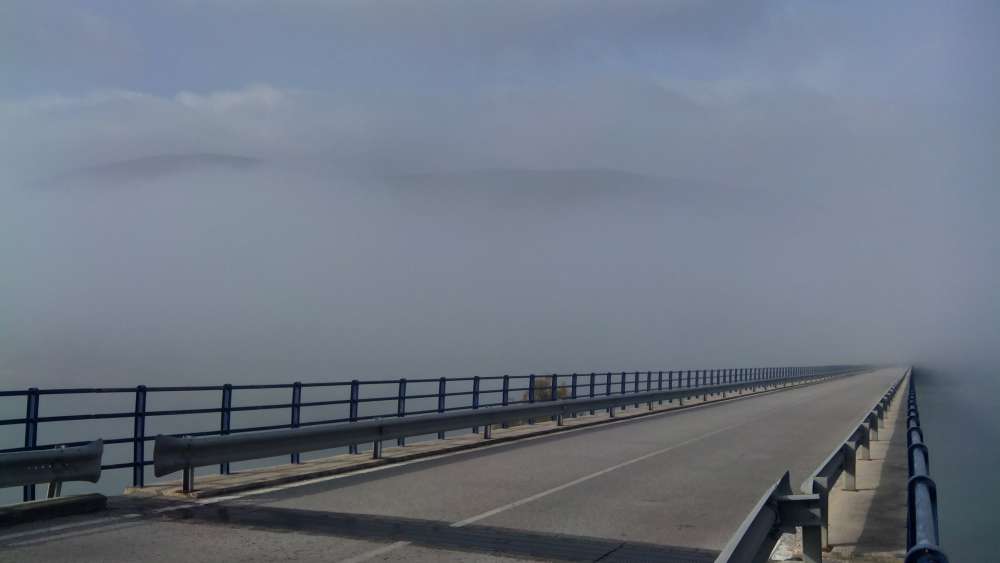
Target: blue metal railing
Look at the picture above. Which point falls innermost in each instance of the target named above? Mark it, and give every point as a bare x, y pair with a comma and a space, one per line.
922, 533
469, 392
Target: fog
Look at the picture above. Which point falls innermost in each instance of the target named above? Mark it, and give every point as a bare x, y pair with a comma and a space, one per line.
204, 192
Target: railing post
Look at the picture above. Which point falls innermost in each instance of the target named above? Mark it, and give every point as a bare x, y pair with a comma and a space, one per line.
475, 399
607, 391
659, 383
593, 380
649, 387
352, 414
554, 392
531, 393
296, 414
442, 382
139, 438
30, 433
505, 397
635, 383
573, 383
401, 407
225, 419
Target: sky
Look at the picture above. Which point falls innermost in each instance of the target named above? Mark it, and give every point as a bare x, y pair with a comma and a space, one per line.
210, 191
217, 190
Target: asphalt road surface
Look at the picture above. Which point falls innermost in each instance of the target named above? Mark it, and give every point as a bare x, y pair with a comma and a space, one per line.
667, 487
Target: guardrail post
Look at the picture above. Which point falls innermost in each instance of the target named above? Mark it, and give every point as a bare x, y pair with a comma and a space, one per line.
475, 399
864, 452
30, 433
225, 419
139, 438
442, 382
55, 488
812, 544
187, 480
352, 414
850, 465
296, 413
401, 407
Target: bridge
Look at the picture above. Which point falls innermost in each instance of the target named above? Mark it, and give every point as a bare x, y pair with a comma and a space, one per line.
689, 465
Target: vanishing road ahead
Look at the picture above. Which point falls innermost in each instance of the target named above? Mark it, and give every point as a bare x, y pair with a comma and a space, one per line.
670, 486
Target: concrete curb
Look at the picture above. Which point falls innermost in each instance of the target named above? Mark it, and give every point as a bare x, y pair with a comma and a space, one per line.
34, 511
391, 457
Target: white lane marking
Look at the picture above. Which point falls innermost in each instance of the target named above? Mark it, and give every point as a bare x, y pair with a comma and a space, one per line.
375, 552
108, 519
59, 527
68, 535
472, 519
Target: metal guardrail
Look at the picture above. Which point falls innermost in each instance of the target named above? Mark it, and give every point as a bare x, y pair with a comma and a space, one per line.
922, 539
779, 511
184, 454
353, 401
755, 539
52, 466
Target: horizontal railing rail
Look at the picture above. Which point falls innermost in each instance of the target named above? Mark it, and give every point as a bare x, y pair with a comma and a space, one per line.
173, 454
353, 401
53, 466
755, 545
922, 534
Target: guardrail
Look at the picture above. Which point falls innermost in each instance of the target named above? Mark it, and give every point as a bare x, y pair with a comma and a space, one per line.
353, 401
922, 538
755, 539
173, 454
53, 466
779, 511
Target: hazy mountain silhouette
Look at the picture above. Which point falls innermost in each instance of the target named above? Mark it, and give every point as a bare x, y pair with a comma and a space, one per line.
153, 167
517, 187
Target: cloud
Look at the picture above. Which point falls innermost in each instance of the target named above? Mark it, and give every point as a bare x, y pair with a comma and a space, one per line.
258, 97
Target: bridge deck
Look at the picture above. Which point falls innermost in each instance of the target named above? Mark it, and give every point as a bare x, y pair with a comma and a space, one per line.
668, 487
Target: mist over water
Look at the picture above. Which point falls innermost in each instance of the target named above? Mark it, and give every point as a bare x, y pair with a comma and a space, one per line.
508, 188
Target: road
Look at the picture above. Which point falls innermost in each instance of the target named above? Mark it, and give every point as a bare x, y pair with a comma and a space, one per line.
667, 487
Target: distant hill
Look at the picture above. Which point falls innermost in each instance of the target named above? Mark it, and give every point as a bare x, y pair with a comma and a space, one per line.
520, 186
153, 167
